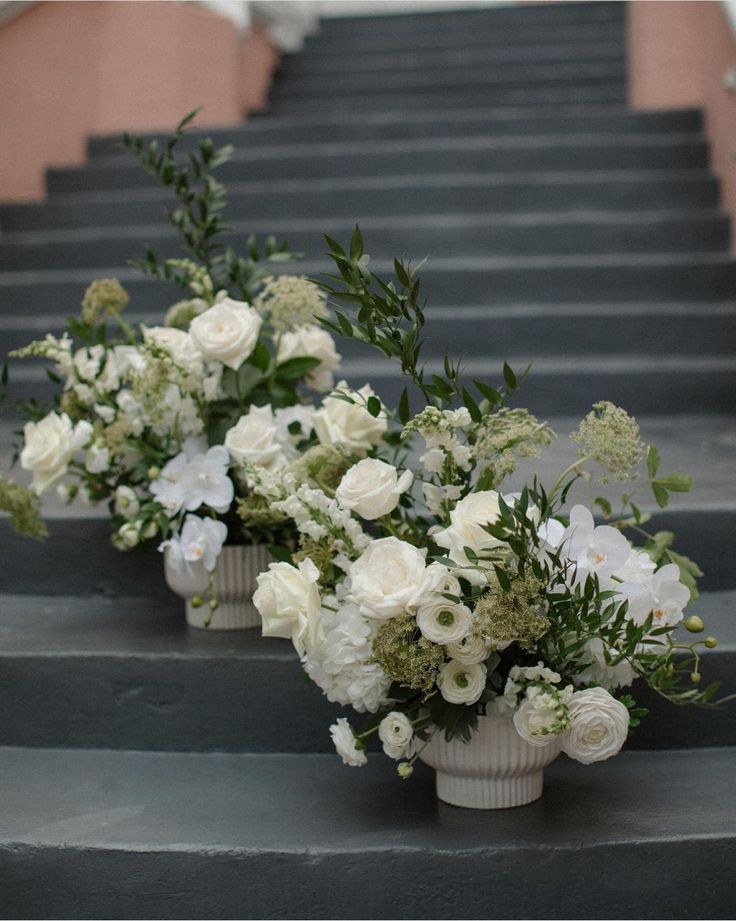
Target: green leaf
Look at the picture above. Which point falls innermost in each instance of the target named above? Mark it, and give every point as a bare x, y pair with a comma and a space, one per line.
604, 505
490, 393
676, 482
295, 368
660, 495
260, 357
373, 405
404, 407
652, 461
356, 244
509, 377
475, 414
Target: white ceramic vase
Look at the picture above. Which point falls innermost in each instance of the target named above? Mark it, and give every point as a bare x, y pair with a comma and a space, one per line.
234, 584
497, 769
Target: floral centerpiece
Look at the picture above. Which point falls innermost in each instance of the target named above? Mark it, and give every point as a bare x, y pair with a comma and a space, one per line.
155, 420
480, 629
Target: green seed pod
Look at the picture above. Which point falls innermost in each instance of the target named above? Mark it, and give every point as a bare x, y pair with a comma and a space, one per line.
197, 601
711, 642
214, 604
694, 624
695, 677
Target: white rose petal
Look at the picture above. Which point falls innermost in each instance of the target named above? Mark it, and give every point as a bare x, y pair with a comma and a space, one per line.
49, 446
441, 621
349, 425
345, 744
397, 734
311, 341
227, 332
372, 488
256, 438
460, 683
289, 602
392, 576
466, 530
599, 725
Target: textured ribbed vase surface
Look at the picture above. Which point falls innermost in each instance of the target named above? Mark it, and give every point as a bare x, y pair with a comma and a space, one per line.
497, 769
235, 582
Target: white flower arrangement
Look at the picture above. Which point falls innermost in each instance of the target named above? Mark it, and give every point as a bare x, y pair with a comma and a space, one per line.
427, 597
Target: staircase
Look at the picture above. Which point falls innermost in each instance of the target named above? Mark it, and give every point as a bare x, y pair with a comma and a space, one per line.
155, 771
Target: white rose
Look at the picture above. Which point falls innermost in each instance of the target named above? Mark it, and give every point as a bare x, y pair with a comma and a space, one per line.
470, 650
397, 734
345, 744
311, 342
288, 600
372, 488
49, 446
467, 519
535, 719
127, 503
227, 332
255, 438
392, 576
460, 683
599, 725
349, 425
441, 621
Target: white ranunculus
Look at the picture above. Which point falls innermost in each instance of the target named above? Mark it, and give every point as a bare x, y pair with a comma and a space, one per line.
127, 503
460, 683
288, 600
535, 719
599, 725
349, 425
467, 519
372, 488
441, 621
227, 332
470, 650
49, 446
345, 744
397, 734
392, 576
311, 341
256, 438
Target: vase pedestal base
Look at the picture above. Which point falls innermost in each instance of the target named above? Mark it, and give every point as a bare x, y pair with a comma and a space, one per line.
488, 792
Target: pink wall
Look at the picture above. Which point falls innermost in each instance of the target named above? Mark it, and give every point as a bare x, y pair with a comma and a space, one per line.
68, 70
679, 51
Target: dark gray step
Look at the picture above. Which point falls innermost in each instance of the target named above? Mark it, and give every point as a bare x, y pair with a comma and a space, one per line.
129, 674
613, 92
349, 62
431, 79
572, 153
360, 198
423, 123
614, 278
444, 235
511, 330
90, 834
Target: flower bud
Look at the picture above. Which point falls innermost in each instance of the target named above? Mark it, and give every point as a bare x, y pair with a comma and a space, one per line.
214, 604
694, 624
710, 642
154, 473
197, 601
405, 770
695, 677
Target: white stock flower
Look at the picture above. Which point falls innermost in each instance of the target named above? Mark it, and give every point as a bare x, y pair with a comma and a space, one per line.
311, 341
599, 725
392, 576
467, 519
598, 551
178, 344
537, 718
441, 621
339, 662
288, 600
256, 438
596, 670
195, 478
97, 459
49, 447
128, 535
127, 503
664, 597
345, 744
372, 488
461, 683
469, 650
397, 734
349, 425
227, 332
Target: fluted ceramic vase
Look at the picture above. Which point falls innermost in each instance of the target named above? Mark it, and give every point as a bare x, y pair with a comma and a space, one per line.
497, 769
234, 583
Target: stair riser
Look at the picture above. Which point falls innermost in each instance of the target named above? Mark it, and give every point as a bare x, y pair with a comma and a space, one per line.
269, 131
480, 76
474, 337
567, 158
456, 99
446, 241
356, 204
